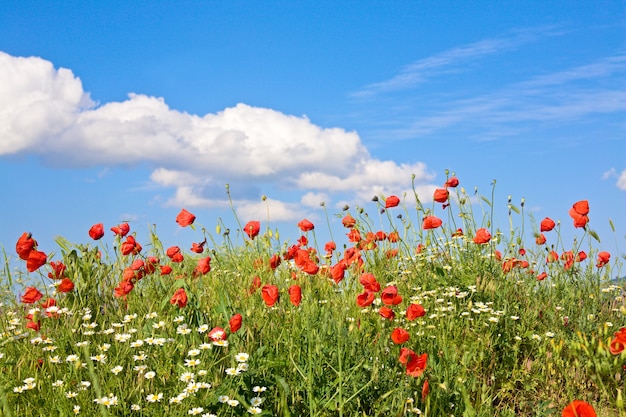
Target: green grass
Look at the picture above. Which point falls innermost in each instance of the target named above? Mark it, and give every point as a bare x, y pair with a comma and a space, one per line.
499, 343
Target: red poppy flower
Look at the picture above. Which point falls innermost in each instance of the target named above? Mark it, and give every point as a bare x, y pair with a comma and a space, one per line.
198, 247
137, 264
33, 325
352, 255
96, 231
431, 222
369, 282
579, 212
578, 408
579, 221
171, 251
303, 241
121, 229
354, 235
235, 323
151, 264
405, 354
414, 311
269, 294
216, 334
204, 266
542, 276
305, 225
390, 296
58, 270
581, 256
452, 182
482, 236
425, 390
31, 295
66, 285
441, 195
36, 259
337, 271
508, 265
603, 259
295, 295
124, 288
252, 229
552, 256
166, 269
458, 233
330, 247
618, 343
392, 201
303, 260
130, 246
541, 239
24, 245
185, 218
291, 252
50, 302
393, 237
400, 336
128, 274
386, 313
348, 221
416, 365
568, 259
310, 268
365, 299
179, 298
420, 247
274, 261
547, 225
581, 207
174, 253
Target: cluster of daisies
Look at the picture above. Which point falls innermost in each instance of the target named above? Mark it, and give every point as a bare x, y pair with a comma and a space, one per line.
124, 333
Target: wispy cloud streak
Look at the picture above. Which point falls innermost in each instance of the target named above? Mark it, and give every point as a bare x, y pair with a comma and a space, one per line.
558, 97
452, 60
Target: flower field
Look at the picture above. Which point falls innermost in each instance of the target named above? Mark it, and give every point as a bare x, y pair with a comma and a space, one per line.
411, 309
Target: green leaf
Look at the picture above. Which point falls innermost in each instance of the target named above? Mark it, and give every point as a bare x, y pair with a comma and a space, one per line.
63, 243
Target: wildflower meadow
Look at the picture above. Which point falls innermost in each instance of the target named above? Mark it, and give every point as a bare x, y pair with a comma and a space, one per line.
410, 309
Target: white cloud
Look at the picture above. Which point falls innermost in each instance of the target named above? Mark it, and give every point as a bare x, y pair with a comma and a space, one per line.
621, 178
369, 177
268, 210
172, 178
611, 173
313, 200
36, 102
621, 181
44, 111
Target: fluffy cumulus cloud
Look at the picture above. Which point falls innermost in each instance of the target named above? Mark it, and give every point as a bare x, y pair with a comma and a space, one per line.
44, 111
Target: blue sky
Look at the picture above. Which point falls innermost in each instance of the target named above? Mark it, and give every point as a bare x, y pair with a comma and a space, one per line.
117, 110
